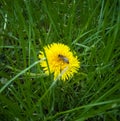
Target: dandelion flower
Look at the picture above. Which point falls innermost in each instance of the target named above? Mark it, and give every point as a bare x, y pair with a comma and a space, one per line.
59, 58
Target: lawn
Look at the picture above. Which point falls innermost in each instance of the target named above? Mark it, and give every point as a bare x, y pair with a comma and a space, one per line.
91, 29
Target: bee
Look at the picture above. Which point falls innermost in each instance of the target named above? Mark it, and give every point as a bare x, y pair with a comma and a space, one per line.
63, 58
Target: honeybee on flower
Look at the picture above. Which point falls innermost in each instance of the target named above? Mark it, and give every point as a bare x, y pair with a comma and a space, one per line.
63, 58
59, 58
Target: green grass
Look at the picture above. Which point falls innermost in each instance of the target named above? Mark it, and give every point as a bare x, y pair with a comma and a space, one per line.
89, 27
